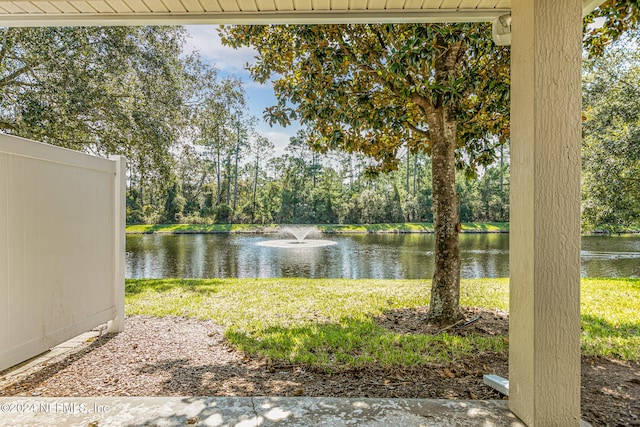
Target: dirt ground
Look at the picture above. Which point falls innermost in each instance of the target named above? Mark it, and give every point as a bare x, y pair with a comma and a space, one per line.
179, 356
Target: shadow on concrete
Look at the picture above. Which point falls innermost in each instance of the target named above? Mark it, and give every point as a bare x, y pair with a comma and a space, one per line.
305, 411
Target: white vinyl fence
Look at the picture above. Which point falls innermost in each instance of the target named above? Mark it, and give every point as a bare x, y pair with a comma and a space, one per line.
62, 220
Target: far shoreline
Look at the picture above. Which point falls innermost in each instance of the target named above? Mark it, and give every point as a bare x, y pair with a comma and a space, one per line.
389, 228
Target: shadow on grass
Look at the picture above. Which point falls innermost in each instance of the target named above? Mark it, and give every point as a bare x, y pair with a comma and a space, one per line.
232, 373
484, 227
358, 343
600, 337
598, 327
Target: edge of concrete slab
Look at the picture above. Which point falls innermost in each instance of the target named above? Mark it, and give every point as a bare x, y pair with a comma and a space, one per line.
253, 411
52, 355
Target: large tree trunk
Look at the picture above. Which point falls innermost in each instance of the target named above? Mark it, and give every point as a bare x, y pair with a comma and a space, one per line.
445, 288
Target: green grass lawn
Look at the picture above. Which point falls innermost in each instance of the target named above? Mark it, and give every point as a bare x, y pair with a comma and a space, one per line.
407, 227
198, 228
330, 323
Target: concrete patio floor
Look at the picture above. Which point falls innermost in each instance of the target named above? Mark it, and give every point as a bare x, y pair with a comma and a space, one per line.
251, 411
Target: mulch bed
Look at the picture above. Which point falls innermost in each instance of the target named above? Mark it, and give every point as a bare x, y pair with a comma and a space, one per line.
180, 356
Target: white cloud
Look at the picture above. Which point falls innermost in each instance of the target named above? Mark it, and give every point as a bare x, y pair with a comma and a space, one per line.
280, 139
205, 40
260, 86
598, 22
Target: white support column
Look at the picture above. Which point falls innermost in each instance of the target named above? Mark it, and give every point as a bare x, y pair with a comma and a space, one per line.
544, 347
117, 324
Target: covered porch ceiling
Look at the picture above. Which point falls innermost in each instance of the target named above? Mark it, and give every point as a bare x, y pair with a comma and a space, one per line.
176, 12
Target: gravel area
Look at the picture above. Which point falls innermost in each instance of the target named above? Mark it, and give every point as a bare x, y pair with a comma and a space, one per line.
179, 356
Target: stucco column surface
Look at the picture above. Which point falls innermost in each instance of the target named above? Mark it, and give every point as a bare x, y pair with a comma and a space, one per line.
544, 347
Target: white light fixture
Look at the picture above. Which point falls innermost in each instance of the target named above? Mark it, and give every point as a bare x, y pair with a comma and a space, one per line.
501, 30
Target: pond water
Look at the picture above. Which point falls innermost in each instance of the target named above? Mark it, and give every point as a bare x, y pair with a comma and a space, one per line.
376, 256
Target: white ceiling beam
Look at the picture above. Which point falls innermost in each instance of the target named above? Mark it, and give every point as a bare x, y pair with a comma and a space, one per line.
255, 18
86, 17
589, 6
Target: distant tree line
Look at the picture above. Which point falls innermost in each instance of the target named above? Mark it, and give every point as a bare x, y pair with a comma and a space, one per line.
245, 182
611, 143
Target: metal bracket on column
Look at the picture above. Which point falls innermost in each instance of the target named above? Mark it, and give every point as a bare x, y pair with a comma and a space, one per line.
497, 383
501, 30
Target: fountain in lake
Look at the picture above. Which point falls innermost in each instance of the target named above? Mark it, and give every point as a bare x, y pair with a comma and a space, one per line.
300, 240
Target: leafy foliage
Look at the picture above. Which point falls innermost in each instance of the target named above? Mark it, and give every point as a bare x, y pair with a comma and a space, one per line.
105, 90
102, 90
368, 88
609, 22
611, 145
128, 90
301, 186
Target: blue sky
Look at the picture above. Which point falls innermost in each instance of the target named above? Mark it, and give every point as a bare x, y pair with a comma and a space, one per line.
205, 39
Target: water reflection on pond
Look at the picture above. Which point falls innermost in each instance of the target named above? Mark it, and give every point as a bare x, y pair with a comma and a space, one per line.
380, 256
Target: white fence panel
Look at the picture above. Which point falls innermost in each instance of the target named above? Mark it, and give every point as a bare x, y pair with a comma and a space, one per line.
61, 246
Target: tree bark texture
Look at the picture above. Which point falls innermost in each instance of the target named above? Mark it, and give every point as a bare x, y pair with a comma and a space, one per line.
445, 289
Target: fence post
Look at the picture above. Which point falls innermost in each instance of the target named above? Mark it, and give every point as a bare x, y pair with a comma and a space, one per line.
117, 323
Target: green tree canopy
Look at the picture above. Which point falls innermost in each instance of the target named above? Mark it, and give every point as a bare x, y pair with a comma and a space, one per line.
442, 89
103, 90
87, 87
611, 145
367, 88
609, 22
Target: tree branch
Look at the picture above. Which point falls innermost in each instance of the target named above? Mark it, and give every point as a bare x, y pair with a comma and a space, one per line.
366, 67
3, 52
11, 77
414, 128
379, 36
7, 125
